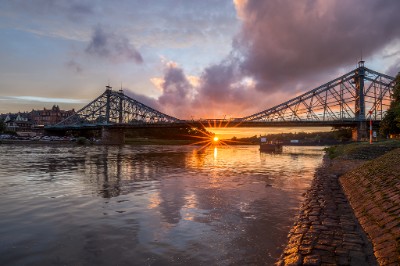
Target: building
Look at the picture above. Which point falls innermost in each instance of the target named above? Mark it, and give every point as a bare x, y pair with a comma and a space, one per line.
19, 122
32, 123
50, 116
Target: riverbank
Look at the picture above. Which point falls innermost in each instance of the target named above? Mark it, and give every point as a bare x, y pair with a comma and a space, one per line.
150, 141
328, 231
88, 142
374, 194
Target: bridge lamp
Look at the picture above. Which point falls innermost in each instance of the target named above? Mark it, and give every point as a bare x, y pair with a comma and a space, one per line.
370, 127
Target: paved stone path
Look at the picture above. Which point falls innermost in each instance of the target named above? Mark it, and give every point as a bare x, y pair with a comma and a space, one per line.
326, 231
374, 193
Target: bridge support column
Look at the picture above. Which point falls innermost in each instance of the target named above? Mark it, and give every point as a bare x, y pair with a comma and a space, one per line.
112, 136
361, 132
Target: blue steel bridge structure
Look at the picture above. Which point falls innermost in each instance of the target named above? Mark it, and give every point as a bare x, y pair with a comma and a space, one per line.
349, 100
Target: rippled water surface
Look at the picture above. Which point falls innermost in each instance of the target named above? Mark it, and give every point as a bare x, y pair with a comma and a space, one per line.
149, 205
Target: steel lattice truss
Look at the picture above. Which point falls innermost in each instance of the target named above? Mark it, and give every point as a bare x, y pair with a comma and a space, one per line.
114, 107
338, 100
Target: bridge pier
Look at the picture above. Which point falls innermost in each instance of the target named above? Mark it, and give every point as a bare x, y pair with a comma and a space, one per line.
361, 132
112, 136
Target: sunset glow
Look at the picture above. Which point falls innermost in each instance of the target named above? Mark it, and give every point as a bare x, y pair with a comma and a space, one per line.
232, 59
242, 132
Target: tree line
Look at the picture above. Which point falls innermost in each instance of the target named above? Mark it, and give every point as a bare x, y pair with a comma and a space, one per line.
390, 124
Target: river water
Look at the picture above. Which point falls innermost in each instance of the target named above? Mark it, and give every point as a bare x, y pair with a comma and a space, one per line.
149, 205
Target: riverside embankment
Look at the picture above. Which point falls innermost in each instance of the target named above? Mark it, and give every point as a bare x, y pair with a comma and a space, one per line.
374, 194
360, 177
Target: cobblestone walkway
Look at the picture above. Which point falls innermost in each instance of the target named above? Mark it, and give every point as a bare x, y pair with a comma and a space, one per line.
326, 231
374, 193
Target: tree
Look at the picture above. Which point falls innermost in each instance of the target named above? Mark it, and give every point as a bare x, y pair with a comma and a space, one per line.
342, 134
391, 122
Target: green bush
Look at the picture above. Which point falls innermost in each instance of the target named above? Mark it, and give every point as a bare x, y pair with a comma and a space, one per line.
82, 141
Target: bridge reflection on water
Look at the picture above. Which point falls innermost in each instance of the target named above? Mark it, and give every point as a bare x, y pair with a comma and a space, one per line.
149, 204
113, 169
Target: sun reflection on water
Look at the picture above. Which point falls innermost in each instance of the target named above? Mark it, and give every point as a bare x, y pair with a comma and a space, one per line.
157, 200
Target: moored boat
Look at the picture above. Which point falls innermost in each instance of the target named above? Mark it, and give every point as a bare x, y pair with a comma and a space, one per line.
270, 146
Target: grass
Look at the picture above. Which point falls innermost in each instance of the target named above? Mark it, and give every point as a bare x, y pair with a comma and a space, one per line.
362, 150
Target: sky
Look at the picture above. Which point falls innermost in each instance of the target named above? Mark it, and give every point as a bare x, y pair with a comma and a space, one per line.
188, 59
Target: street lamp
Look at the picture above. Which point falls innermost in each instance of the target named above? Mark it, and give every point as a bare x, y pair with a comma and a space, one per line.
370, 127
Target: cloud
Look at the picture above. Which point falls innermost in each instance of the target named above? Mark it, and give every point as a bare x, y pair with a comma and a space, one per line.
282, 48
283, 42
73, 10
146, 100
45, 99
178, 90
394, 69
391, 54
175, 86
74, 66
113, 47
218, 92
285, 47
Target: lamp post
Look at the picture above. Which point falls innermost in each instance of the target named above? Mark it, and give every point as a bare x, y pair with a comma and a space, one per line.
370, 127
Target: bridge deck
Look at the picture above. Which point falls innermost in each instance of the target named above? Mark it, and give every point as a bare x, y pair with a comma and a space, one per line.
219, 123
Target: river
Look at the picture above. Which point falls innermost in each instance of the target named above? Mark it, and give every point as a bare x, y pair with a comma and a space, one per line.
149, 205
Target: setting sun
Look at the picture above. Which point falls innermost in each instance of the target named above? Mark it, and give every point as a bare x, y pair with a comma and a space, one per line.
215, 139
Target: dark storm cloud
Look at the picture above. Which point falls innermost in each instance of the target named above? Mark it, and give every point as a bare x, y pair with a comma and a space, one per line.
114, 47
284, 41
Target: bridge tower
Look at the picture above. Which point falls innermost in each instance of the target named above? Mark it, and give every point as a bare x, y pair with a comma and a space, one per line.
108, 103
120, 106
360, 131
359, 82
112, 135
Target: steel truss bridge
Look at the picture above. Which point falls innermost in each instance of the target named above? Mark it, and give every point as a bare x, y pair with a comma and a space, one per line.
353, 98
